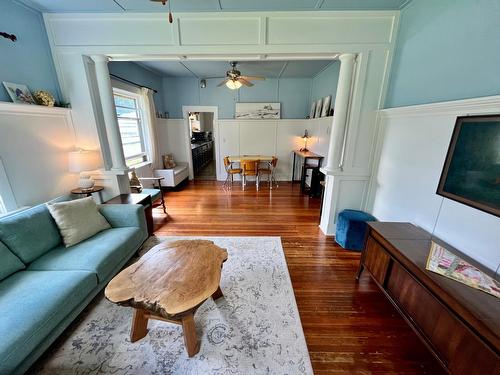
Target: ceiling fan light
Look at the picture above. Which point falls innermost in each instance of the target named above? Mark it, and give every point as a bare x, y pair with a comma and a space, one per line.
233, 85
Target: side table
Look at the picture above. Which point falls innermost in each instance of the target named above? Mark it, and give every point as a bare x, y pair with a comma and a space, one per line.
87, 192
133, 198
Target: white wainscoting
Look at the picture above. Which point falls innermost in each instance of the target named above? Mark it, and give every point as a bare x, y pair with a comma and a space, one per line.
412, 147
34, 146
264, 137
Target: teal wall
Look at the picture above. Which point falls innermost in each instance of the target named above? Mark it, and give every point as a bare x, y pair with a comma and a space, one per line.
294, 94
325, 83
446, 50
142, 76
27, 61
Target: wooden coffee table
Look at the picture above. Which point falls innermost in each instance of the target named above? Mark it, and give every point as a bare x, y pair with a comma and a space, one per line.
169, 283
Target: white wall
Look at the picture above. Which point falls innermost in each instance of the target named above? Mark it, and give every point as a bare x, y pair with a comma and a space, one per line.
412, 146
34, 146
264, 137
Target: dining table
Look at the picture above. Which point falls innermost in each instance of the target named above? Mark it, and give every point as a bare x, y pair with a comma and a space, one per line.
240, 158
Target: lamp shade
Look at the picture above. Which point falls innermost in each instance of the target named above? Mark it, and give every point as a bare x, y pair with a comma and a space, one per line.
233, 85
83, 160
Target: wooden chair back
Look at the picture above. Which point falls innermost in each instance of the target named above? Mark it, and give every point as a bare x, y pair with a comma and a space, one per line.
250, 167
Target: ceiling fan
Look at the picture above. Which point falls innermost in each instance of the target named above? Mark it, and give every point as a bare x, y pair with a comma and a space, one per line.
234, 80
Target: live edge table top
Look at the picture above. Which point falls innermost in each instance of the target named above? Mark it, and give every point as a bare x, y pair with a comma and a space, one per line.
170, 279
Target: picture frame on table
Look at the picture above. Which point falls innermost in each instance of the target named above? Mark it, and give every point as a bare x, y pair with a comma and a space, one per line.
325, 111
319, 103
19, 93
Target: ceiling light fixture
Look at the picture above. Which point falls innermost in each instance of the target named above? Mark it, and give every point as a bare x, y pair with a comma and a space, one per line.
233, 85
164, 2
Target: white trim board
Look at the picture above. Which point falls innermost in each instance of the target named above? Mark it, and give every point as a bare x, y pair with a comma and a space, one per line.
484, 105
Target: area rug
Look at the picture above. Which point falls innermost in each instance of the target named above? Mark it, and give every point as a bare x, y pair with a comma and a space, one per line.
254, 329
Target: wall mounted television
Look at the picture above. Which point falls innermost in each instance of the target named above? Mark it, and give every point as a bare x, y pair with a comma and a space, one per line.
471, 172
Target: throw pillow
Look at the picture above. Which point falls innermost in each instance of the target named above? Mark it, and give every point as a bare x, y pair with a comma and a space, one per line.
168, 161
77, 220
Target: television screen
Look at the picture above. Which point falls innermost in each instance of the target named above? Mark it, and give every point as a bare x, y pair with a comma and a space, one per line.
471, 172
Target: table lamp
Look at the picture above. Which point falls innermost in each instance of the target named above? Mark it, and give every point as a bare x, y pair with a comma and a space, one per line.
80, 161
305, 137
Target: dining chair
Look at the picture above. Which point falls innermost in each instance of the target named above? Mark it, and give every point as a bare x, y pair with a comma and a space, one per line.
250, 168
230, 172
269, 171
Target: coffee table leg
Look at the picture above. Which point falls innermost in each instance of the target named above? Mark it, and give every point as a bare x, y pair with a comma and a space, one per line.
218, 294
139, 325
190, 339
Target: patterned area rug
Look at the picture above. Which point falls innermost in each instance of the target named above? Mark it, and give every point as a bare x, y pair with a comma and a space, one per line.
254, 329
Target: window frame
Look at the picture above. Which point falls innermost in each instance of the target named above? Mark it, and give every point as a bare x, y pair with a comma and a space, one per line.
143, 134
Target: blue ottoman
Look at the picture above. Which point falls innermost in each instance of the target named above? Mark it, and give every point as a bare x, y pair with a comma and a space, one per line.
351, 229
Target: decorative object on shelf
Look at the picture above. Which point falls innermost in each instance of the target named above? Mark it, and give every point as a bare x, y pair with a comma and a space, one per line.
164, 2
19, 93
12, 37
313, 110
234, 80
319, 104
331, 112
82, 161
305, 137
44, 98
326, 106
259, 111
445, 263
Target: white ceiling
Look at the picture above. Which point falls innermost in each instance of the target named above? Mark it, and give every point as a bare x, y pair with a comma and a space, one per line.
210, 5
269, 69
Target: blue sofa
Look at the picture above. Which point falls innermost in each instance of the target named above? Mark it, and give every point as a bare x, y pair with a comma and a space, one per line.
44, 286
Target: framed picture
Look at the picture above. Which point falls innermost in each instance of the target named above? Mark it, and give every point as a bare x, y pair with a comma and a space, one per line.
319, 103
19, 93
326, 106
313, 110
257, 111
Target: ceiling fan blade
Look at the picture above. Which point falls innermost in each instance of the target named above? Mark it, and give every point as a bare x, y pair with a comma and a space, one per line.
254, 78
245, 82
223, 82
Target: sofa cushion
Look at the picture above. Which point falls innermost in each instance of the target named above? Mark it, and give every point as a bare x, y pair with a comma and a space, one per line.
30, 233
9, 263
77, 220
32, 304
100, 253
155, 193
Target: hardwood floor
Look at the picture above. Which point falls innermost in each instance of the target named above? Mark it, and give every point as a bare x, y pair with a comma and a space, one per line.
350, 327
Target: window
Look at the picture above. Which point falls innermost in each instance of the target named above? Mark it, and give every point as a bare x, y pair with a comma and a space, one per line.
128, 111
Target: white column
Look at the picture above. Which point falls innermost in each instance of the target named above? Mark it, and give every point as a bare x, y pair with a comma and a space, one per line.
109, 114
341, 107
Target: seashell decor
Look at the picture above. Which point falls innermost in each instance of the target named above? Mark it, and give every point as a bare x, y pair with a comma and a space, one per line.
44, 98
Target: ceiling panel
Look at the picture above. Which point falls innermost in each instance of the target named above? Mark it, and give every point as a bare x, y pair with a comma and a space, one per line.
249, 5
74, 6
167, 68
269, 69
211, 5
296, 69
363, 4
176, 5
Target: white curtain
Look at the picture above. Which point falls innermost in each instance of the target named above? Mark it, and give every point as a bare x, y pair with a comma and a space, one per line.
150, 118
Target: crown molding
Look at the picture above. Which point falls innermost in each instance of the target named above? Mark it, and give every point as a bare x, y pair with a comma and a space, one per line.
31, 109
482, 105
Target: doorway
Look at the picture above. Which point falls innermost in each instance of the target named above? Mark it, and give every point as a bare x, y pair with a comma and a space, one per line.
202, 153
